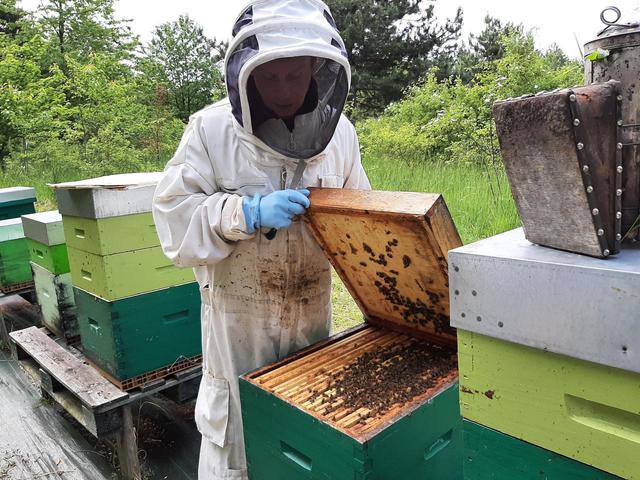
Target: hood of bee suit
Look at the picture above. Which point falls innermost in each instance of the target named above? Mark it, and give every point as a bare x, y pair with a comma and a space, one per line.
267, 30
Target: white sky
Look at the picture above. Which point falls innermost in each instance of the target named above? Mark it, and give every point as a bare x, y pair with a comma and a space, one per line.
554, 21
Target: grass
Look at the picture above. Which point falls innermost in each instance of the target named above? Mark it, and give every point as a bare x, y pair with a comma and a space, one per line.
478, 198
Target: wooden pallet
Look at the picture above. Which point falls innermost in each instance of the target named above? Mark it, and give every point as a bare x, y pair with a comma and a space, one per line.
17, 287
155, 377
74, 384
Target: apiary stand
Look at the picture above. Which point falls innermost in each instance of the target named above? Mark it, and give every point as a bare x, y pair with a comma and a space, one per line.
99, 406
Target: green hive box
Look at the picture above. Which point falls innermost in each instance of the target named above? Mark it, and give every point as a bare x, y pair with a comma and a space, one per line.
578, 409
140, 334
52, 257
16, 209
107, 236
56, 300
491, 455
285, 439
16, 201
121, 275
14, 254
377, 402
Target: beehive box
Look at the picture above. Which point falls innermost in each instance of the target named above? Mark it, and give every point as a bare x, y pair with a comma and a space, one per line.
14, 254
377, 402
16, 201
491, 455
54, 258
108, 236
579, 409
138, 335
121, 275
56, 300
508, 288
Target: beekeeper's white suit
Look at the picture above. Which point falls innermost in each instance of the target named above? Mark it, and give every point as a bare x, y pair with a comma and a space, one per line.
262, 299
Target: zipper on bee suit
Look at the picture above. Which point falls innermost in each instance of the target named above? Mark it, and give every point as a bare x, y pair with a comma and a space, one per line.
285, 333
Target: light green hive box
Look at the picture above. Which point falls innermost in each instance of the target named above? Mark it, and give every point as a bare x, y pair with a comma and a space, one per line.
581, 410
113, 277
56, 300
106, 236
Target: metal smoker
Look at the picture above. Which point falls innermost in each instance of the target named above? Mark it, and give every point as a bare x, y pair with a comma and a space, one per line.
615, 55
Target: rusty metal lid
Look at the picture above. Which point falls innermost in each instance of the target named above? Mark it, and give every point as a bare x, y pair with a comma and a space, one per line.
390, 249
614, 35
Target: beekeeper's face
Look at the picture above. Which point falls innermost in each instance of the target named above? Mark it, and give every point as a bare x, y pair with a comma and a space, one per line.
283, 84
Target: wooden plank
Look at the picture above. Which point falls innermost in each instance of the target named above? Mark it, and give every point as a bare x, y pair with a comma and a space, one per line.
127, 446
75, 376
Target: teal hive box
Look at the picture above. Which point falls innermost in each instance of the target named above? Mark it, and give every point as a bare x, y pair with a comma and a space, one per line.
491, 455
140, 334
363, 405
56, 300
14, 254
286, 438
16, 201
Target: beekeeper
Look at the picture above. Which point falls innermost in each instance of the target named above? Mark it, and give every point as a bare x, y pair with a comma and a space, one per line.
229, 198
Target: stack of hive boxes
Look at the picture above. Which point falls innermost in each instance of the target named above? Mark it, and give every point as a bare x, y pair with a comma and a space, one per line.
14, 256
548, 345
16, 201
139, 316
15, 272
50, 266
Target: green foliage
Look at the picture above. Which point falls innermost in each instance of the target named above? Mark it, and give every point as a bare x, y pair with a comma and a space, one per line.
79, 28
182, 59
451, 121
390, 44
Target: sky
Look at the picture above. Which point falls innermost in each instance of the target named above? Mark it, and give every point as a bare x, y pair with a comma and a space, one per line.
559, 21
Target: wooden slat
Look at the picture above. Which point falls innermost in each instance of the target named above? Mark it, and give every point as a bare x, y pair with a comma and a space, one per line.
80, 379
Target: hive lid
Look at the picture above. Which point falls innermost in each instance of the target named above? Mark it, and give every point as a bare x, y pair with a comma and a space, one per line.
123, 181
111, 196
390, 250
13, 194
11, 230
44, 227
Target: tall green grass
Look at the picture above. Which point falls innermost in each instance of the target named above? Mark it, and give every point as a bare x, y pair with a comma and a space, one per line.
478, 198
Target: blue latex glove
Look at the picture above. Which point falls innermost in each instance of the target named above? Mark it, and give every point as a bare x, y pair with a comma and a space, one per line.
275, 210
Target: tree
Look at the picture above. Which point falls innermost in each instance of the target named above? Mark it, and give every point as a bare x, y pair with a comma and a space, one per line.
391, 45
79, 28
10, 15
482, 49
183, 60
